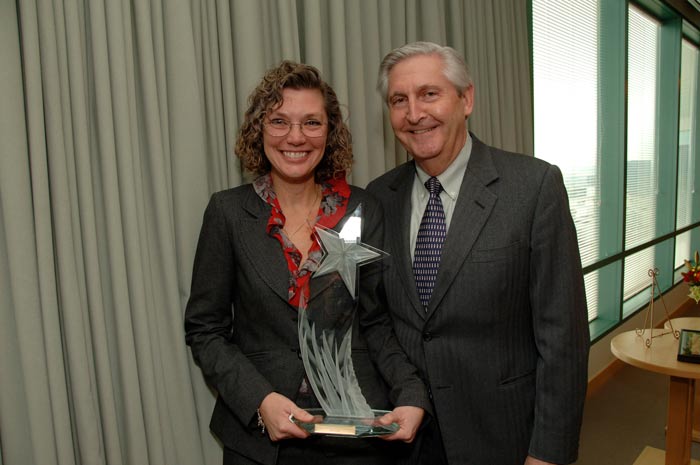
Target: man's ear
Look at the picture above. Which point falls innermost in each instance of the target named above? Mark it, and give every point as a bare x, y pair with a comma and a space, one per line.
468, 98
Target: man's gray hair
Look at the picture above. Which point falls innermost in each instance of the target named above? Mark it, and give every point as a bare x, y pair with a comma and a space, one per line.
455, 69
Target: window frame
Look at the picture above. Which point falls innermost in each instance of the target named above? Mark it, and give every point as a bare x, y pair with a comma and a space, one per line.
612, 310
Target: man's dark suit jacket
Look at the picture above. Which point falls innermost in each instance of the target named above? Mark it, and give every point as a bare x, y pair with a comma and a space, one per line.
243, 332
504, 342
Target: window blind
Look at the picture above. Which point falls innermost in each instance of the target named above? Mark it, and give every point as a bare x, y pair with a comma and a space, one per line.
566, 111
642, 160
686, 150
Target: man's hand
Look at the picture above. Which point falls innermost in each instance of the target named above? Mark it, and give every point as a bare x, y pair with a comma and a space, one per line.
533, 461
408, 418
275, 411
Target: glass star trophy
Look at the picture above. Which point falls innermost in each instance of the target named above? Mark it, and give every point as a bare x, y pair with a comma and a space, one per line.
325, 336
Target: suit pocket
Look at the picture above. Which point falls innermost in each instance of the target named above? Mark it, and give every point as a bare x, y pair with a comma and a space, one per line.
494, 254
517, 379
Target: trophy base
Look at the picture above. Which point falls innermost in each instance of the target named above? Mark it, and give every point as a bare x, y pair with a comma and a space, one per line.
352, 427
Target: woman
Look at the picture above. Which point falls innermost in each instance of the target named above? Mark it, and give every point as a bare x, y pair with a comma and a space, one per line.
255, 257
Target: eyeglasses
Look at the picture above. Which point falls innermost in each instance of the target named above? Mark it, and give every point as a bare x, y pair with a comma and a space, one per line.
278, 127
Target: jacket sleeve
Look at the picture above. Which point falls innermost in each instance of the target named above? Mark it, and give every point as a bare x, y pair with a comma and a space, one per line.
406, 387
560, 324
209, 318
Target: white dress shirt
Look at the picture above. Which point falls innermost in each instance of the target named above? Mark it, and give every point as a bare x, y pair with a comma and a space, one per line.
451, 180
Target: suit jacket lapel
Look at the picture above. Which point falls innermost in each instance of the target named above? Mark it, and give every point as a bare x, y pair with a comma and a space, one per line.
398, 228
474, 205
266, 256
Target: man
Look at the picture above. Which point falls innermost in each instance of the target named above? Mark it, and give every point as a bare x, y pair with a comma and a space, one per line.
499, 333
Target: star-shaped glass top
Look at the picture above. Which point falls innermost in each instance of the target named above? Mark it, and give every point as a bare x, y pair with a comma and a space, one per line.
344, 252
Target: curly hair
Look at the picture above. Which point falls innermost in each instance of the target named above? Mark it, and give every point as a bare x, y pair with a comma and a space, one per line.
267, 96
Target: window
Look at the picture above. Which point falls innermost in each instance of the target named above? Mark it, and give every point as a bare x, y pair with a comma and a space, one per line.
607, 111
687, 150
642, 161
566, 109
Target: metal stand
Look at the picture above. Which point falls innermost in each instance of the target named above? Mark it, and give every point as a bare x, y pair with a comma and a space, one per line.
649, 317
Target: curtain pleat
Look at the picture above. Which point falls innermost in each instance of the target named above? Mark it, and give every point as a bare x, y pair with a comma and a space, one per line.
118, 121
25, 362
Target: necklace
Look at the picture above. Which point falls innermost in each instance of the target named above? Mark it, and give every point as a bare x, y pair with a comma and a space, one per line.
306, 221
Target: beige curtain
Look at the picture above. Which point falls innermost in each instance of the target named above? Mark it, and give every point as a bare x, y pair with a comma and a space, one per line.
117, 122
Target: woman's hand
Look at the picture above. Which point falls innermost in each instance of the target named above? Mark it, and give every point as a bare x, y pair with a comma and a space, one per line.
276, 411
408, 418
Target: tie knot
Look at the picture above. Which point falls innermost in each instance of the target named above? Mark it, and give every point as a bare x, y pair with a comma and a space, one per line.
433, 186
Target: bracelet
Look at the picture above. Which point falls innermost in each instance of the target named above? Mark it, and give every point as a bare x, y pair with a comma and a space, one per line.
261, 423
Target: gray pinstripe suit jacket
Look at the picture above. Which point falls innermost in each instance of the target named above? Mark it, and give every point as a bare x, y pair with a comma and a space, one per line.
504, 343
243, 332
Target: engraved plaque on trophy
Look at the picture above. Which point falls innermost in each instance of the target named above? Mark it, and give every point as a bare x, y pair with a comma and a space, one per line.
325, 339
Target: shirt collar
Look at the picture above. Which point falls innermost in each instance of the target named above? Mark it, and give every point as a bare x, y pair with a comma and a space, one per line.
451, 178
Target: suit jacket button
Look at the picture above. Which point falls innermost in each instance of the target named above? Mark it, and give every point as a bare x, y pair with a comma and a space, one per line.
427, 336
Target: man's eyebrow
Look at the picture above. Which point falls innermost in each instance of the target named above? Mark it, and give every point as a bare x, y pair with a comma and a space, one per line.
421, 88
397, 93
425, 87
